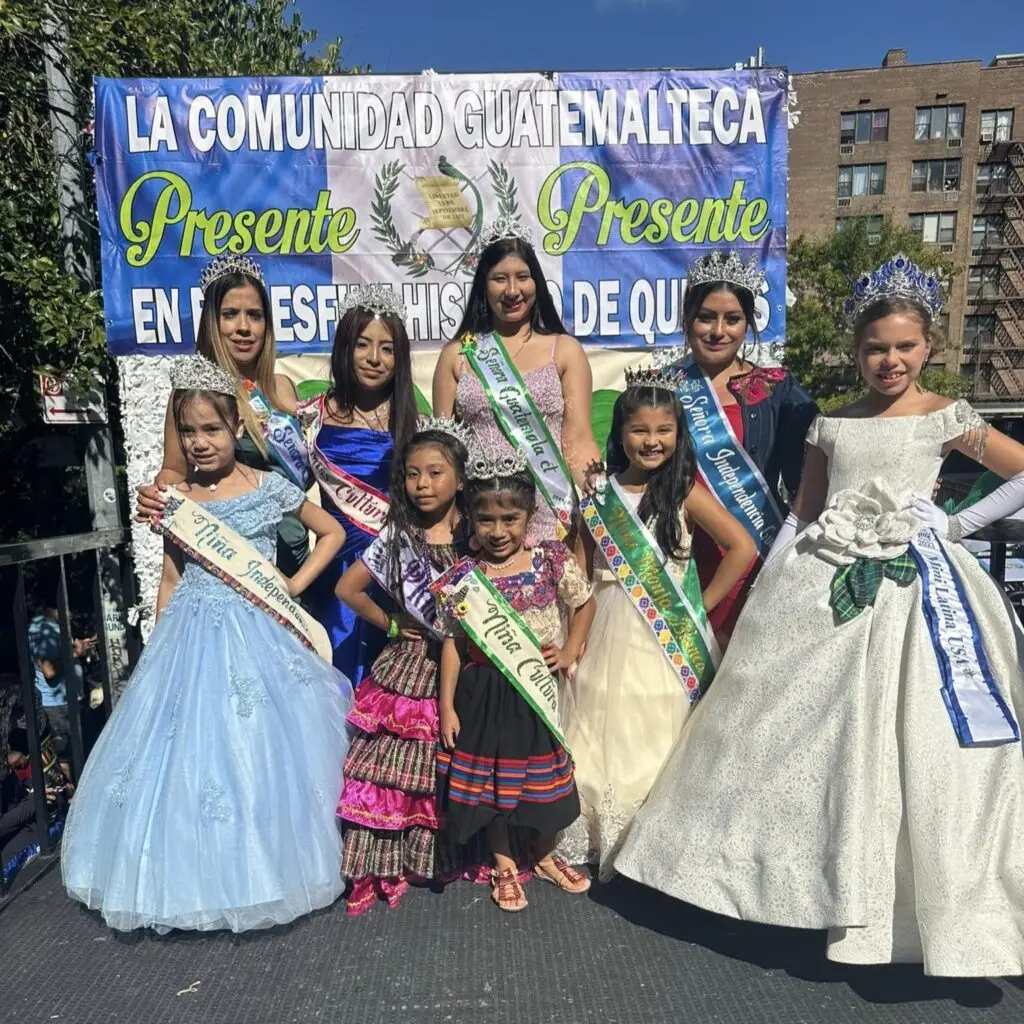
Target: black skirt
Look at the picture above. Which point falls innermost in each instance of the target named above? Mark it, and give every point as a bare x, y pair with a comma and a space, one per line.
506, 764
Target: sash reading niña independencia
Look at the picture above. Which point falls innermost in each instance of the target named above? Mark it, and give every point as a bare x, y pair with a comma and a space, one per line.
233, 559
727, 469
521, 421
502, 635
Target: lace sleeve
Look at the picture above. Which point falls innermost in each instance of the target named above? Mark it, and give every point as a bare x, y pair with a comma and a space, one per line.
574, 588
284, 492
963, 424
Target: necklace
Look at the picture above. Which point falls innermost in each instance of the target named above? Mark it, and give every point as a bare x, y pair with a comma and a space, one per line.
381, 422
505, 564
518, 351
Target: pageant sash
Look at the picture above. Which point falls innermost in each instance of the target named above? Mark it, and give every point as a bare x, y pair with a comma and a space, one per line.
502, 635
416, 574
357, 501
976, 708
724, 464
230, 557
521, 421
283, 436
671, 607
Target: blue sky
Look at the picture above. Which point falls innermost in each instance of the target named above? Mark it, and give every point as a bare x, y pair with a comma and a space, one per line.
555, 35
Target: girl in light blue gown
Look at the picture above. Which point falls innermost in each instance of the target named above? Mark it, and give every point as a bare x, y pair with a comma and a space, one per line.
209, 800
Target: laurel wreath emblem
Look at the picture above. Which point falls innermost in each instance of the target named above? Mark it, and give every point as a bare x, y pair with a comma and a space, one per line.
405, 252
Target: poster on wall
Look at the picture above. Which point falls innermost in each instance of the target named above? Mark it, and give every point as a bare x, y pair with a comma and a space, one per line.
623, 178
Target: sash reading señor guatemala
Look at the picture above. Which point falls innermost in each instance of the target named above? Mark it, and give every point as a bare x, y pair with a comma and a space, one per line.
283, 435
230, 557
724, 464
416, 574
521, 421
357, 501
502, 635
976, 708
672, 608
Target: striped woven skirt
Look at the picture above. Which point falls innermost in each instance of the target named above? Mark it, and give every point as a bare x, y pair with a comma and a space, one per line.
505, 765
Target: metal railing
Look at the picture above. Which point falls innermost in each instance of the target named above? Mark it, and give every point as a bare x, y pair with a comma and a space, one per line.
14, 560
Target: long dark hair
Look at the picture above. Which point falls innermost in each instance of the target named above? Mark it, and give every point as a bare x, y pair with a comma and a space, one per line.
544, 318
695, 299
345, 385
672, 481
403, 516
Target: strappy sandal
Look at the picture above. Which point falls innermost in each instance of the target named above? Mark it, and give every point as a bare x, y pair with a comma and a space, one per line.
506, 892
571, 881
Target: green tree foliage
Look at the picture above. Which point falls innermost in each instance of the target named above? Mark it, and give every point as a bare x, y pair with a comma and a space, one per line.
821, 275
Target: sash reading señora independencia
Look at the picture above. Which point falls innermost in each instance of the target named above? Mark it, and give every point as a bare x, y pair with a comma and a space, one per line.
724, 464
502, 635
283, 435
672, 608
976, 708
357, 501
230, 557
416, 574
520, 420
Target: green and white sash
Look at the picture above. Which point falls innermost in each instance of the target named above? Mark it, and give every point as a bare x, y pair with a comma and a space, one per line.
502, 636
521, 421
231, 558
671, 607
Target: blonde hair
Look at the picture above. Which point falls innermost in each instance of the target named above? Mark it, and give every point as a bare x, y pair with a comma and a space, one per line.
209, 343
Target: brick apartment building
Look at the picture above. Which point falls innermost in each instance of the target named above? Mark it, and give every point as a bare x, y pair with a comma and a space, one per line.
938, 148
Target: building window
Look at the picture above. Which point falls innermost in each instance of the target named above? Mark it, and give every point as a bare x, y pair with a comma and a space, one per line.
983, 282
992, 179
872, 224
864, 126
987, 231
934, 227
939, 123
979, 330
996, 125
935, 176
861, 180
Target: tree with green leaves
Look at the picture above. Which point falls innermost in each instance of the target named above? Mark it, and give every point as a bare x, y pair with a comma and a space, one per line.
821, 276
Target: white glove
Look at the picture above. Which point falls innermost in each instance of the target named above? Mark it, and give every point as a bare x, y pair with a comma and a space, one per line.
930, 514
789, 531
1002, 502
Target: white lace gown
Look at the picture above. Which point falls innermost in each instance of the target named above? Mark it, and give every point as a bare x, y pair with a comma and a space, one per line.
819, 783
628, 709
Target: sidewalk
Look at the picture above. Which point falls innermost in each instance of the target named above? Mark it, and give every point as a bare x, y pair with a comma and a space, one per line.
623, 956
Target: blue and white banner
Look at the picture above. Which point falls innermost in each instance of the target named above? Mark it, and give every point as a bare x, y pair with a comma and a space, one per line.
624, 178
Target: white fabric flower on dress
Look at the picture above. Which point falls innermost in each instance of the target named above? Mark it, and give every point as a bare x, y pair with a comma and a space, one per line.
862, 524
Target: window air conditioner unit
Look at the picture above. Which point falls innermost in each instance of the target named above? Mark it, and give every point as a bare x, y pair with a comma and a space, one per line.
846, 149
954, 143
986, 136
947, 247
874, 239
845, 201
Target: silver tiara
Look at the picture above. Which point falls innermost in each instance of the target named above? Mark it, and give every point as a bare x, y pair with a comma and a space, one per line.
444, 425
668, 355
658, 376
378, 299
196, 373
719, 266
229, 263
899, 277
481, 467
507, 227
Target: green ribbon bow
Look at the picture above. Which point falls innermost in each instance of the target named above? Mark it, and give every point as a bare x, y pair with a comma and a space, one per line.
855, 586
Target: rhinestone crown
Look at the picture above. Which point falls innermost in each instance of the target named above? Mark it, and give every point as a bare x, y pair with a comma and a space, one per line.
229, 263
508, 226
721, 266
196, 373
480, 467
378, 299
659, 376
445, 425
899, 277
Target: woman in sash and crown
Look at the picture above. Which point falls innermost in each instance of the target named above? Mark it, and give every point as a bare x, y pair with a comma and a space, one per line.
503, 766
517, 379
237, 333
856, 765
756, 417
392, 830
208, 801
652, 651
352, 431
